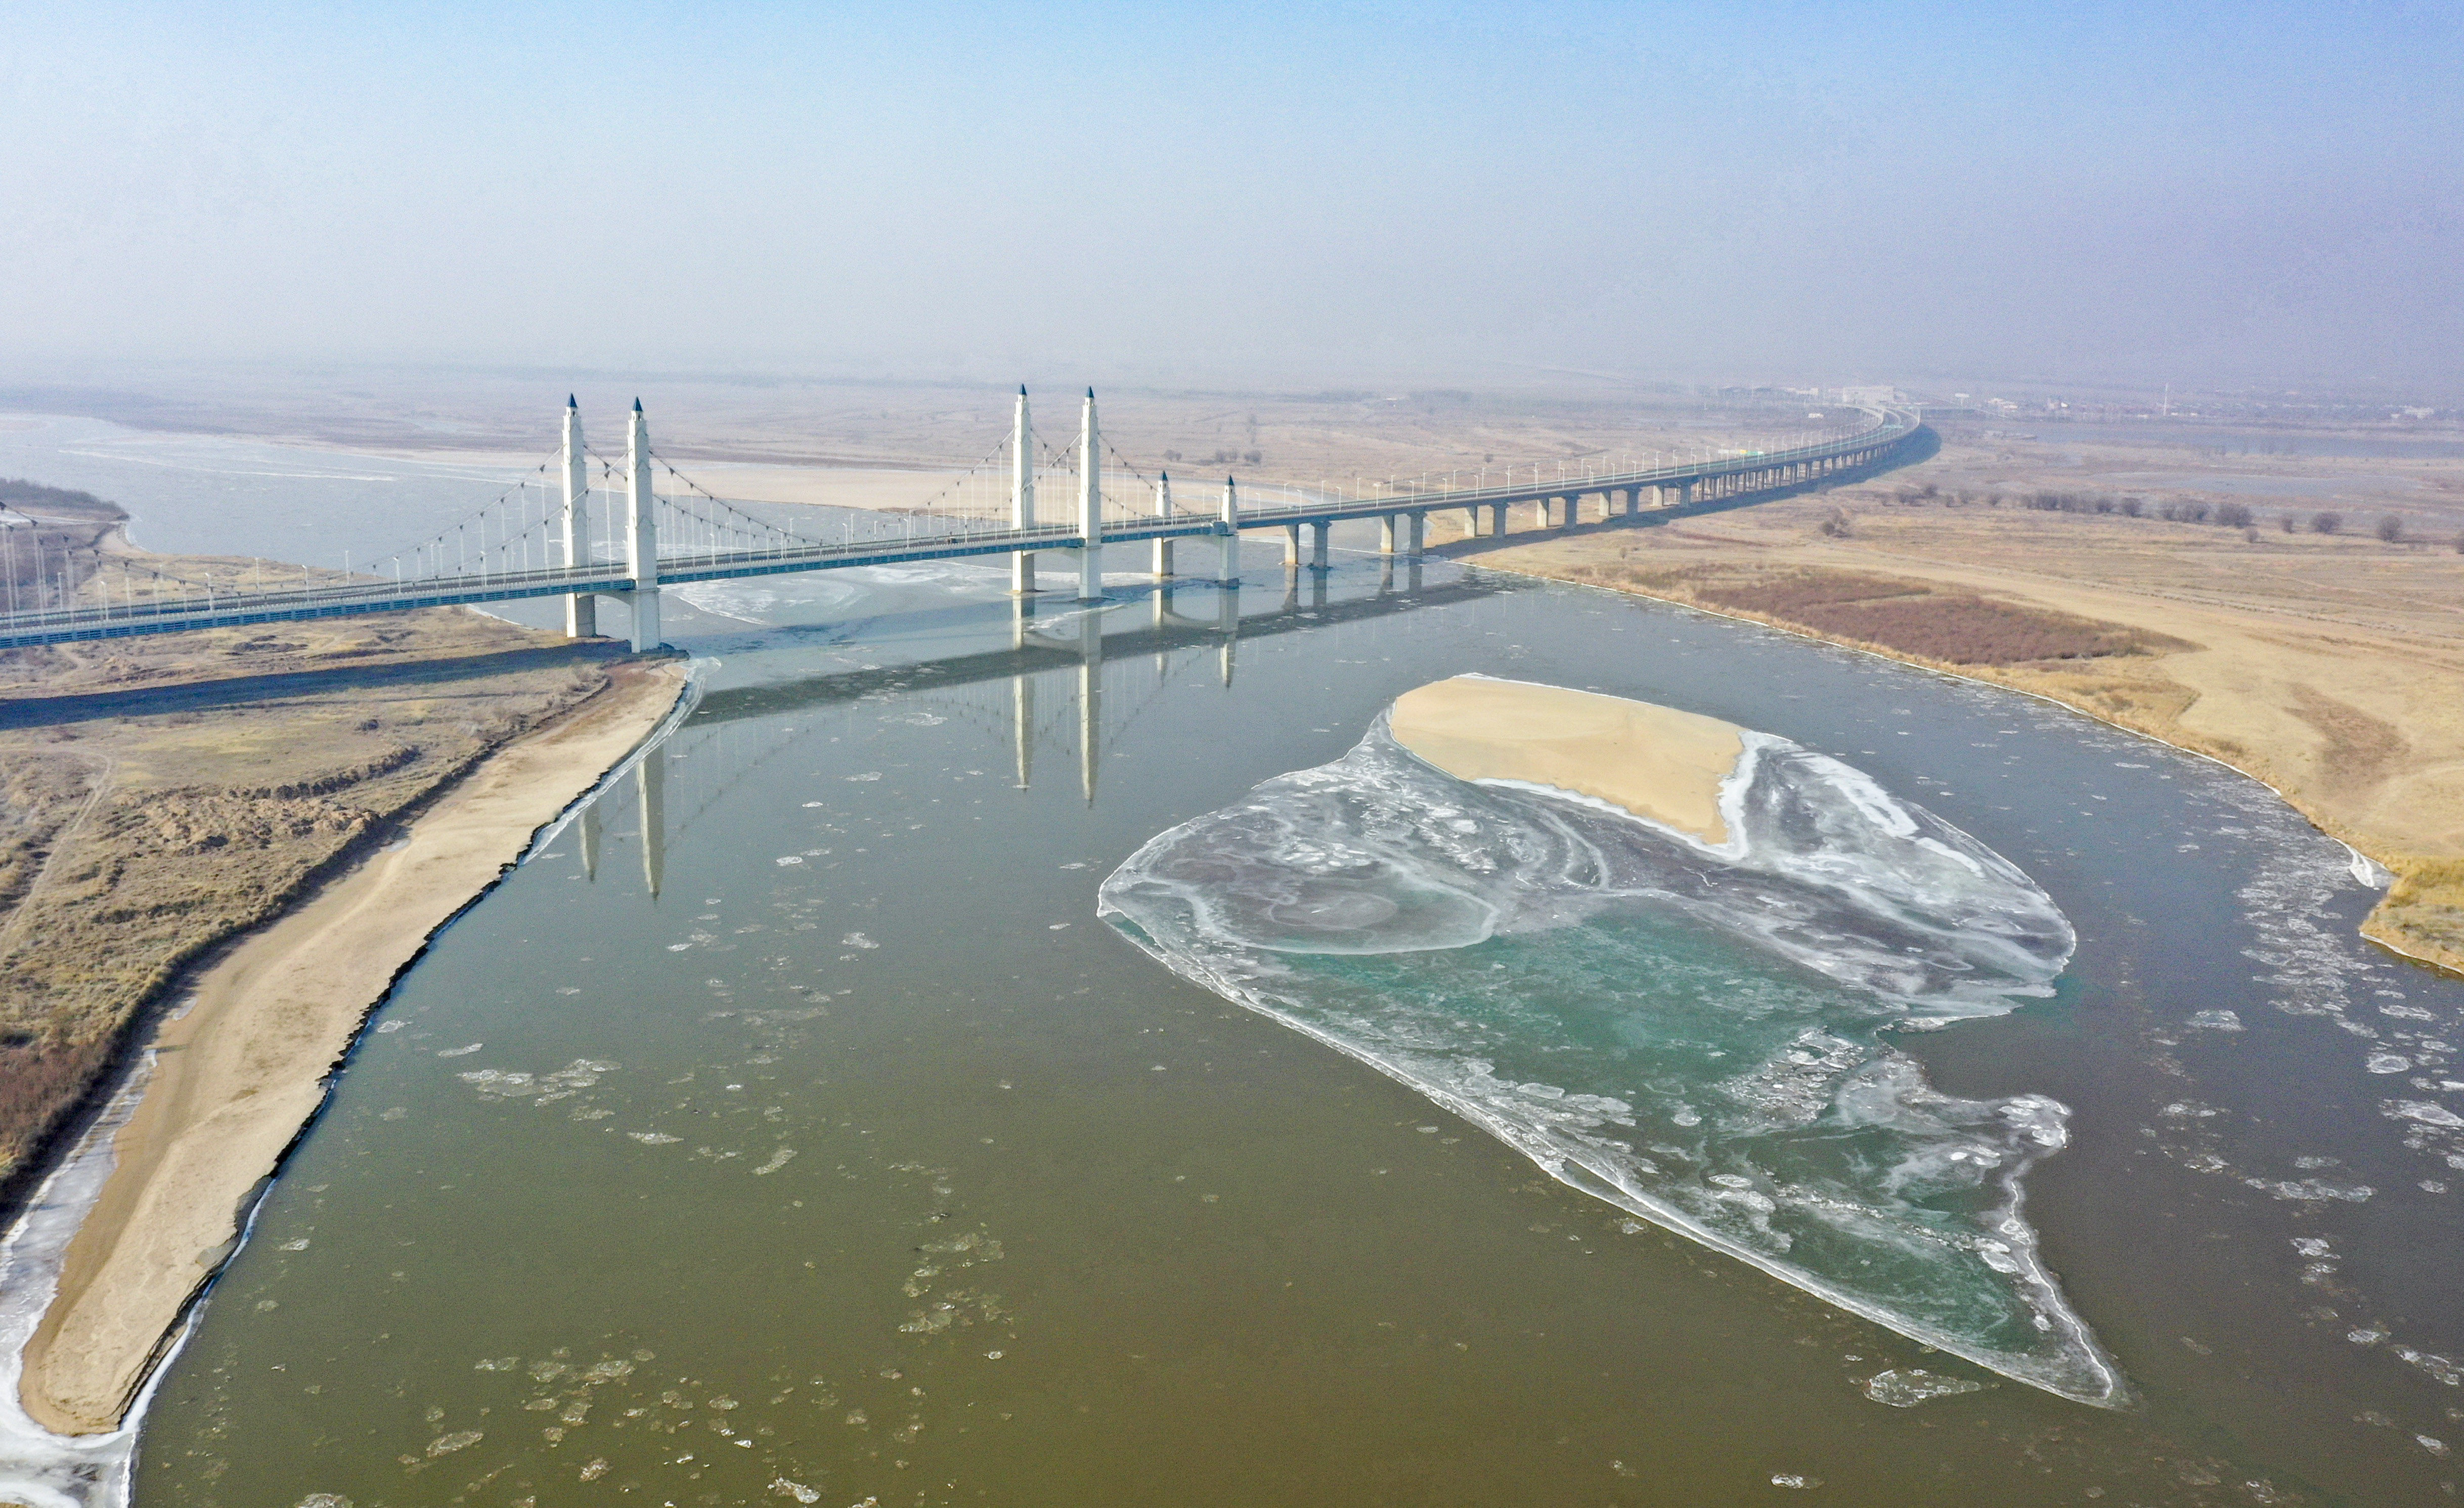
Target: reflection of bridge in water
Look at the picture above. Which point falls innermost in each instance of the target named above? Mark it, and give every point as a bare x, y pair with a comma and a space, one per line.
1002, 697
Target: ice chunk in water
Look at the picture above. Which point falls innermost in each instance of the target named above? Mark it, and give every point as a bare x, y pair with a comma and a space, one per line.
1589, 987
1905, 1388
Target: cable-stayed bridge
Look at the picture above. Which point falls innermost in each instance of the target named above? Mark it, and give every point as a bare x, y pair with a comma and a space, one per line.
587, 527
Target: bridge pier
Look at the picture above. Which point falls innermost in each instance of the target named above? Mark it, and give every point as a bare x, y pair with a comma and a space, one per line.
1573, 514
1162, 566
581, 608
1497, 521
1021, 493
1291, 549
642, 538
1389, 526
1318, 533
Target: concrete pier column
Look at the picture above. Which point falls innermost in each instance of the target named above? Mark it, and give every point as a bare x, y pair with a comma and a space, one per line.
642, 536
1574, 512
1389, 525
1162, 568
581, 609
1229, 574
1021, 493
1415, 536
1497, 520
1291, 549
1317, 545
1090, 508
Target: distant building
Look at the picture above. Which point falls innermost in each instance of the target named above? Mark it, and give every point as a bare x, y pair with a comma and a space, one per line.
1869, 395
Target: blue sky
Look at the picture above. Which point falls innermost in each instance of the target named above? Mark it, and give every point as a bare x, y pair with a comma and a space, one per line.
1177, 192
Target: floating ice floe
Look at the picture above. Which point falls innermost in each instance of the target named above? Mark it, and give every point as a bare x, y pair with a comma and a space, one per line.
1905, 1387
1692, 1025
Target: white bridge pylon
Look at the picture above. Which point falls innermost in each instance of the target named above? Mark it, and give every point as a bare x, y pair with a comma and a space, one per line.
639, 541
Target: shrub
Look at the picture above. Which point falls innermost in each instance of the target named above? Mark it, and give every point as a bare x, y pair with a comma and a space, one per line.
2233, 515
2286, 521
1913, 618
2132, 507
2392, 529
2326, 523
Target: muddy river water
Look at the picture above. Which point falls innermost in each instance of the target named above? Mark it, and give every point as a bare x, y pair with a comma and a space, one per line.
791, 1127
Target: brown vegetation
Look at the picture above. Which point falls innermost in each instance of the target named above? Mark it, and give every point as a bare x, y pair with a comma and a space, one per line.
2321, 660
1904, 617
164, 794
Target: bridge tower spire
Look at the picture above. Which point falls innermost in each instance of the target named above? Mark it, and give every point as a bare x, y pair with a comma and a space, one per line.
642, 536
1090, 506
581, 609
1021, 493
1163, 543
1230, 575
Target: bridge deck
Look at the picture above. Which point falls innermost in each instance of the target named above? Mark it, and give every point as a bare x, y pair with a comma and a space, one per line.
62, 625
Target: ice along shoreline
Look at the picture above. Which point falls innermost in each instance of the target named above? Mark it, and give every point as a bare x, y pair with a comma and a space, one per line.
102, 1273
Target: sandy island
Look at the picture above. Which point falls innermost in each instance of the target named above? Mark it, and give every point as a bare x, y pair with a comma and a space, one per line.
244, 1069
1660, 764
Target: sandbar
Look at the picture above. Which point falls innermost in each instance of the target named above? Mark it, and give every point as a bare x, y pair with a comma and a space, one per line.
249, 1064
1660, 764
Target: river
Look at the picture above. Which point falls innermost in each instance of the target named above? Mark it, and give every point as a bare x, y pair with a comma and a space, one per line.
814, 1139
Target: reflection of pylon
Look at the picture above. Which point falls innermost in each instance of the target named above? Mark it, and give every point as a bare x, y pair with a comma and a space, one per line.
650, 782
1090, 698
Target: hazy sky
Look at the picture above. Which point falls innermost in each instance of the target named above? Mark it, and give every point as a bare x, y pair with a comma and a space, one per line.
1308, 194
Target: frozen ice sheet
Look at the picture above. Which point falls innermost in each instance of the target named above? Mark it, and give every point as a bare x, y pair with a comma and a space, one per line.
1700, 1037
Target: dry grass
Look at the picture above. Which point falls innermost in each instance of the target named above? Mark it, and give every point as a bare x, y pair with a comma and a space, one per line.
135, 840
2329, 666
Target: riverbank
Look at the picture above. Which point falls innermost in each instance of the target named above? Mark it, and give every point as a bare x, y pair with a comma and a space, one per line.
246, 1066
2343, 699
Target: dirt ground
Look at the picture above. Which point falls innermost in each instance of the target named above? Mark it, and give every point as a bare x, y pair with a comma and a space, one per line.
2330, 665
160, 795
